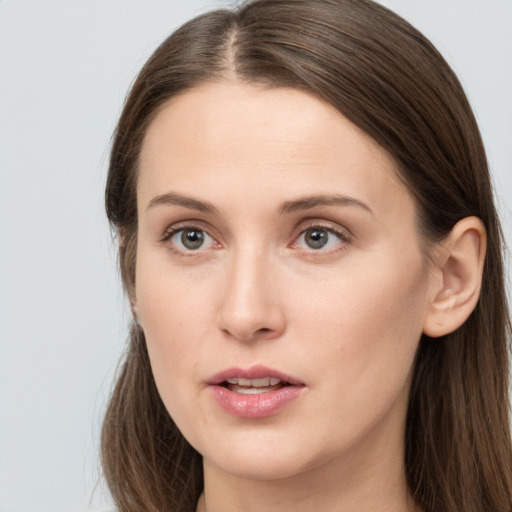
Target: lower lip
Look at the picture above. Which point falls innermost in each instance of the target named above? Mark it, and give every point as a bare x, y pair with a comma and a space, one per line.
261, 405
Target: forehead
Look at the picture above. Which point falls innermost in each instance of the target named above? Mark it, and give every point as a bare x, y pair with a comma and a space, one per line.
223, 116
228, 136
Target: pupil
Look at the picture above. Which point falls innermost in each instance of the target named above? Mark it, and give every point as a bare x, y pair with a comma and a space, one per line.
192, 238
316, 238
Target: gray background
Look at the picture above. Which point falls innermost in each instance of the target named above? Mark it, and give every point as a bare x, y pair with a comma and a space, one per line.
65, 67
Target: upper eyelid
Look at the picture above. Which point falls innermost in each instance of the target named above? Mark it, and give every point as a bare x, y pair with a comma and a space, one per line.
334, 227
339, 234
171, 231
173, 228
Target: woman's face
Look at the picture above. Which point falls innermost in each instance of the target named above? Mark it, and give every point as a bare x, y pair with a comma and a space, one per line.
279, 281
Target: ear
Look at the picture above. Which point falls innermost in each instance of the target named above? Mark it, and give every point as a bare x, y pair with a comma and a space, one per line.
121, 236
134, 307
459, 264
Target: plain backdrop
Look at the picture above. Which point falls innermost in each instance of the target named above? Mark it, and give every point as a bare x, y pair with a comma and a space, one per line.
65, 67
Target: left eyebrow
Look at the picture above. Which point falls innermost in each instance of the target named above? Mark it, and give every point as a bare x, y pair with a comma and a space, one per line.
306, 203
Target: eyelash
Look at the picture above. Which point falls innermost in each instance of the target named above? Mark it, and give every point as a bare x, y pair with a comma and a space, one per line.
174, 230
343, 236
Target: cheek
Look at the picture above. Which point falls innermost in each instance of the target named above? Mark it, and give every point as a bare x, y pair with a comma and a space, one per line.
365, 298
170, 301
364, 331
174, 312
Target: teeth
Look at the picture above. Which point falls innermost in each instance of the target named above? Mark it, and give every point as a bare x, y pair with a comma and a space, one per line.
255, 383
253, 391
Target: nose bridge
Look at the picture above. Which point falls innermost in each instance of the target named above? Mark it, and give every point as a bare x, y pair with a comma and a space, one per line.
250, 306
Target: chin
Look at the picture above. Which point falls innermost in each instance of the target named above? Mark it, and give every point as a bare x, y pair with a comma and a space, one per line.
262, 468
265, 458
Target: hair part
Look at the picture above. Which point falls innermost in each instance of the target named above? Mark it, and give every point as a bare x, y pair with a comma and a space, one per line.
389, 80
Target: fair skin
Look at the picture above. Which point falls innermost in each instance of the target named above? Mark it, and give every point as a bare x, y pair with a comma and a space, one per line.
273, 232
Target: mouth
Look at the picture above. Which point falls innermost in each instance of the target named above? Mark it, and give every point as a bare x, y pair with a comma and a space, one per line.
253, 386
257, 392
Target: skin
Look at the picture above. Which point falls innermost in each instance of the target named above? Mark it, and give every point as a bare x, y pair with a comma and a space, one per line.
344, 319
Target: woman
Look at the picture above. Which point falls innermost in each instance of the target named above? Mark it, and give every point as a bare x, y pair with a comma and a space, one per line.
309, 243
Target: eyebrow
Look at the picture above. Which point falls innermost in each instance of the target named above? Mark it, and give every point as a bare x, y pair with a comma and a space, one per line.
187, 202
306, 203
297, 205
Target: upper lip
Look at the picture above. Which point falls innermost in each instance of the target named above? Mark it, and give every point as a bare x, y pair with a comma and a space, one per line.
254, 372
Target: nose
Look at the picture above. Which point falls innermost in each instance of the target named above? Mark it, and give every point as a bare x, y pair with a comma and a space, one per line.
251, 306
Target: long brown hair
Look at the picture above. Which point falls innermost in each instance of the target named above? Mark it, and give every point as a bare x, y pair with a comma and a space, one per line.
389, 80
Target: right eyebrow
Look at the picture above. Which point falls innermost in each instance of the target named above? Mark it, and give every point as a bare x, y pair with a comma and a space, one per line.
180, 200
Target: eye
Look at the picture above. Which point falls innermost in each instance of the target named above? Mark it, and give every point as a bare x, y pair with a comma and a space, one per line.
190, 239
318, 238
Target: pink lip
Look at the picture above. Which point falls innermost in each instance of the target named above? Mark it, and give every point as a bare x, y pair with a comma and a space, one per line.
260, 405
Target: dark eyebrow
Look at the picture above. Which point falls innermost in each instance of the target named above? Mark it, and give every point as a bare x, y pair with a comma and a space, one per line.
187, 202
306, 203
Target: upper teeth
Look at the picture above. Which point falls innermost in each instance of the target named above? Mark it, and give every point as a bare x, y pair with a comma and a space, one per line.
257, 383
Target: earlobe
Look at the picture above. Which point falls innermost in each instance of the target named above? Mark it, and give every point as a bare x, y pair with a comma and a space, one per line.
459, 262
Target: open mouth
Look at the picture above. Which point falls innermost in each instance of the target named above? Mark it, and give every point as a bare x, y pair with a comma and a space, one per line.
256, 392
254, 386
